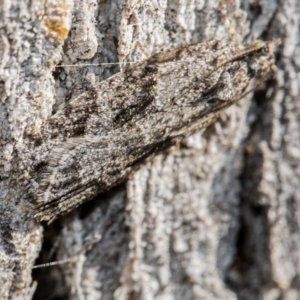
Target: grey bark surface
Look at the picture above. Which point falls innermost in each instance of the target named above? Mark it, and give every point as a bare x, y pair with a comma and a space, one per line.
216, 217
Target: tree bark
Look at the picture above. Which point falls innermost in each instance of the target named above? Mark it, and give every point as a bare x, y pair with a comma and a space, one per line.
216, 217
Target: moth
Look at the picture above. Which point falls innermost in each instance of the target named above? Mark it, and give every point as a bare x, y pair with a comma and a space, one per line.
99, 138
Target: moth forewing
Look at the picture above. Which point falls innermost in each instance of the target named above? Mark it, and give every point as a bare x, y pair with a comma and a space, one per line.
101, 136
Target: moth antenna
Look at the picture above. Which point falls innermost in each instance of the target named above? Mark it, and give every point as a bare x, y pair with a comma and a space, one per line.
233, 36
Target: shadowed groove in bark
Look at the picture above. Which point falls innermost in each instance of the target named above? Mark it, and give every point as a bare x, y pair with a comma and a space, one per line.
251, 271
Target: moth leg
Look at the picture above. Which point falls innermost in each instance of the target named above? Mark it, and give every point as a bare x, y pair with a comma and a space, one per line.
143, 49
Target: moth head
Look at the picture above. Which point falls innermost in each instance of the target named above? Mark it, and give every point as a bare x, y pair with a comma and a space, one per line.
262, 59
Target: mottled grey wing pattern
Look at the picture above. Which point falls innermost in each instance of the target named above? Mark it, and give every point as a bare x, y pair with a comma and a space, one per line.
100, 137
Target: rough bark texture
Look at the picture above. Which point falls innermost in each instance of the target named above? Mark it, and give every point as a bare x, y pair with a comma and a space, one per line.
216, 217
